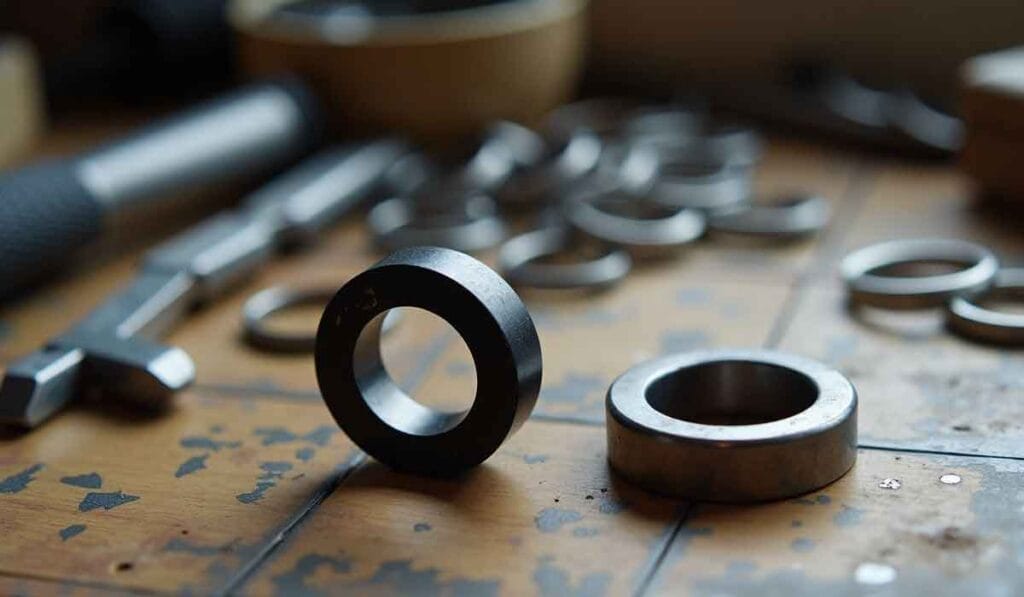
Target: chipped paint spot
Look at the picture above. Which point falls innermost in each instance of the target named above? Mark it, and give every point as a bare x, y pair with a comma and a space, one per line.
674, 341
108, 501
280, 435
399, 577
207, 443
551, 520
552, 580
305, 454
871, 573
584, 532
950, 479
185, 546
19, 481
293, 582
848, 516
889, 483
272, 472
573, 389
535, 458
610, 505
71, 531
802, 545
192, 465
88, 480
823, 499
421, 527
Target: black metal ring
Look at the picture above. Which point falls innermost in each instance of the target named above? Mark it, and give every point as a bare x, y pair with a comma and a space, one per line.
378, 416
518, 257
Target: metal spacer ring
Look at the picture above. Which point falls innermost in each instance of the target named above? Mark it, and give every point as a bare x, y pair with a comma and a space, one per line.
261, 305
732, 425
518, 262
965, 317
395, 225
916, 292
696, 182
381, 418
793, 218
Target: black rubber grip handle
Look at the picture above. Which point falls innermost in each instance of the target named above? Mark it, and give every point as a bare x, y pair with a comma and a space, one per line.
45, 214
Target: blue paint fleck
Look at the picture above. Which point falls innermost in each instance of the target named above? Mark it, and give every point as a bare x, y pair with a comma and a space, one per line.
584, 532
458, 368
551, 520
610, 505
191, 465
802, 544
19, 481
293, 582
535, 458
272, 472
848, 516
823, 499
573, 389
108, 501
554, 581
422, 527
693, 296
71, 531
206, 443
674, 341
280, 435
305, 454
88, 480
181, 545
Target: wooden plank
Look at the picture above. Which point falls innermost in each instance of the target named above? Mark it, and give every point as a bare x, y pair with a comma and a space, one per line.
540, 517
954, 526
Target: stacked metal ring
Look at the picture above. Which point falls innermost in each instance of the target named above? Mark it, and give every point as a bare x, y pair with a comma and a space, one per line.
882, 275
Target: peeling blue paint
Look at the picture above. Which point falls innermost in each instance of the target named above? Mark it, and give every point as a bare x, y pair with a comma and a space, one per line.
19, 481
108, 501
305, 454
535, 458
87, 481
674, 341
848, 516
280, 435
553, 581
71, 531
293, 582
550, 520
273, 471
573, 389
207, 443
584, 532
192, 465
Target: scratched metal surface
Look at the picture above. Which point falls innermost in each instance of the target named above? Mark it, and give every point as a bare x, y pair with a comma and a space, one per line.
247, 486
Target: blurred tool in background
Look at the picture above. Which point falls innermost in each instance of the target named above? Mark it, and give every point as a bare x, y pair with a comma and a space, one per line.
54, 208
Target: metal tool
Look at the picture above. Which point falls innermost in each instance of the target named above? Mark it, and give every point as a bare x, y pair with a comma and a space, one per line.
794, 217
519, 261
112, 350
966, 317
376, 414
732, 425
469, 227
872, 274
645, 230
53, 208
265, 303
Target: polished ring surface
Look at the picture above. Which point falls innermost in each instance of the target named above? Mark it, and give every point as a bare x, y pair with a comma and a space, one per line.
792, 218
370, 407
395, 225
860, 270
966, 317
519, 261
732, 425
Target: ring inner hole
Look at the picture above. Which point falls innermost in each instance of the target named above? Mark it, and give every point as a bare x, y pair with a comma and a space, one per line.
429, 377
732, 393
920, 268
300, 318
1004, 300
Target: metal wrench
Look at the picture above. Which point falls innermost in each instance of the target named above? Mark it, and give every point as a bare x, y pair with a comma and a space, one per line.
114, 352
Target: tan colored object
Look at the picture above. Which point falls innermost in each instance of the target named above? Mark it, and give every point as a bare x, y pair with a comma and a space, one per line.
434, 76
992, 97
21, 101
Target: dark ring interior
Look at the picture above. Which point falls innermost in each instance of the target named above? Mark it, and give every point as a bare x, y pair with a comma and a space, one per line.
732, 393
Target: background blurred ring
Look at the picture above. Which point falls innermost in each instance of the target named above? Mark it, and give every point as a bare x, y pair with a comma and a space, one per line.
872, 274
395, 224
795, 217
968, 318
518, 262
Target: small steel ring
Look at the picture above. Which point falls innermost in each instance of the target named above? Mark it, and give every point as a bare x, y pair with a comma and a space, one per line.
394, 225
573, 159
796, 217
381, 418
732, 425
920, 292
264, 303
965, 317
517, 261
643, 238
696, 183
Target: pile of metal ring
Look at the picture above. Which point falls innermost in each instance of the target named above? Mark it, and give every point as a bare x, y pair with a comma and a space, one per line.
889, 275
603, 185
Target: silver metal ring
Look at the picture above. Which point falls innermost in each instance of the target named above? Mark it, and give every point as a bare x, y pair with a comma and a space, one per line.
868, 284
666, 233
732, 425
562, 165
395, 224
795, 217
966, 317
265, 303
518, 262
697, 181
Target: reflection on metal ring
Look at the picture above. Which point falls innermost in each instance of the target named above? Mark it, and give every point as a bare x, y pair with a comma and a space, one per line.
518, 262
795, 217
968, 318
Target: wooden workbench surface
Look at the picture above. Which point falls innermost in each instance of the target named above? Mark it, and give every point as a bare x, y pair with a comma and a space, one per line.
247, 485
